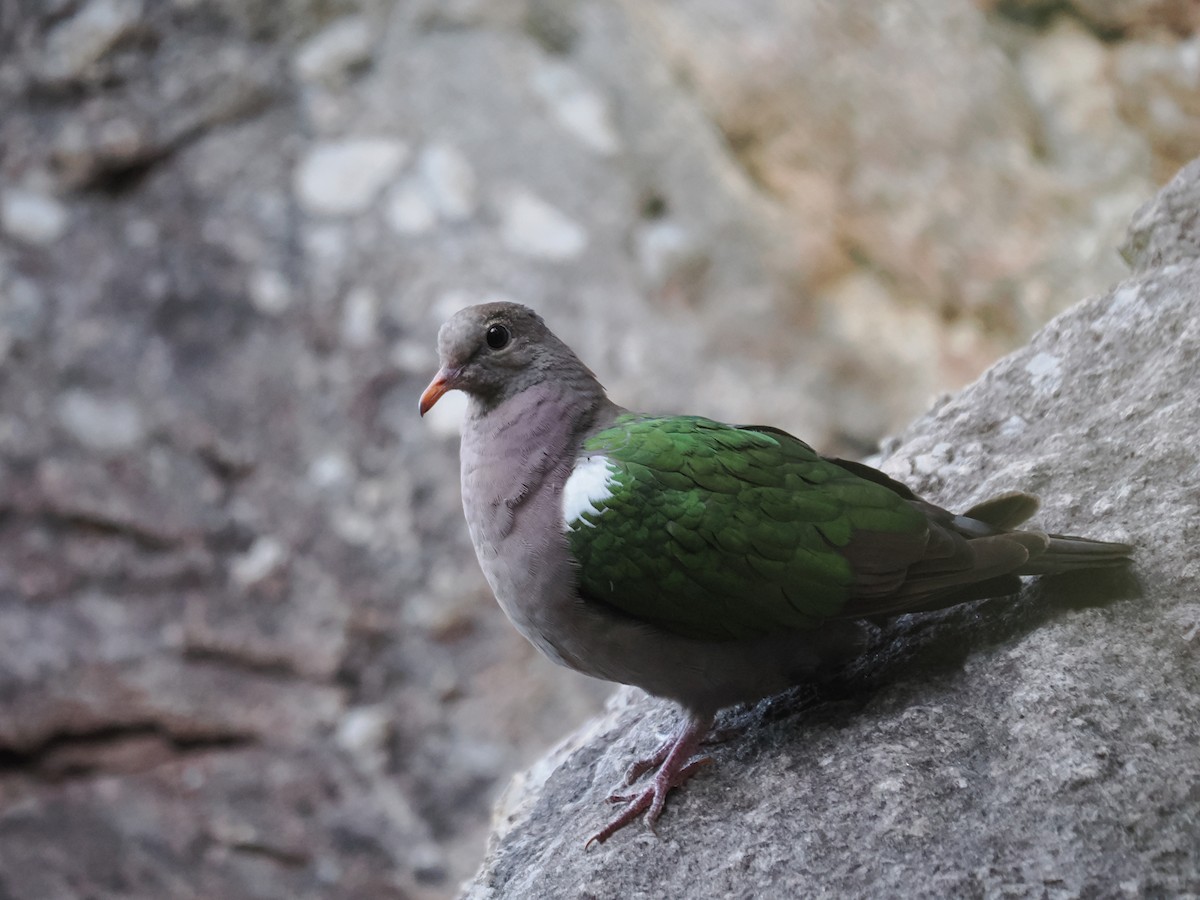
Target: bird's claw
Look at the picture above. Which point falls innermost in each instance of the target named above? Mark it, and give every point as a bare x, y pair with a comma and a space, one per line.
651, 800
640, 767
675, 765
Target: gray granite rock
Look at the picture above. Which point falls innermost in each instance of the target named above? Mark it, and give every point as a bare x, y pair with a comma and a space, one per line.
243, 650
1044, 745
1166, 229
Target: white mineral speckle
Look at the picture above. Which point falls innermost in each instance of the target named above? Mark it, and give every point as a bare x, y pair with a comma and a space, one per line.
1045, 369
408, 209
360, 316
106, 424
578, 108
666, 251
532, 227
329, 470
442, 188
142, 233
33, 217
83, 39
449, 179
326, 244
270, 292
936, 460
334, 50
925, 464
1126, 296
353, 527
414, 356
1013, 426
363, 732
343, 177
263, 558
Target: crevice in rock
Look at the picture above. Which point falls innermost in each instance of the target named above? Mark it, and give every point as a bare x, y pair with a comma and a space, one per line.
1041, 17
120, 178
66, 754
291, 859
260, 661
78, 520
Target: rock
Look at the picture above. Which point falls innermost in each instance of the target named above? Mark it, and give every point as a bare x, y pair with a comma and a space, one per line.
670, 258
106, 424
262, 560
1166, 230
1111, 19
33, 217
1111, 16
442, 189
409, 209
576, 106
449, 180
1158, 89
1052, 120
363, 732
171, 729
330, 470
1017, 733
336, 49
23, 314
532, 227
1066, 74
270, 292
360, 316
79, 42
343, 177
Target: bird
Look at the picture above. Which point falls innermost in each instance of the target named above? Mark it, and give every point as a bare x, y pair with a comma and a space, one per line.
707, 563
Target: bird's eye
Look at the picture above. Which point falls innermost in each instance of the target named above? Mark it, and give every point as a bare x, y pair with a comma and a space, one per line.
497, 337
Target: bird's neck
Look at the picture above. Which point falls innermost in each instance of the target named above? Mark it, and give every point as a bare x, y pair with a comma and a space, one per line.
548, 417
516, 456
524, 447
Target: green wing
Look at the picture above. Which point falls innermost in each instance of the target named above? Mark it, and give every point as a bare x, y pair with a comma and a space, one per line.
722, 532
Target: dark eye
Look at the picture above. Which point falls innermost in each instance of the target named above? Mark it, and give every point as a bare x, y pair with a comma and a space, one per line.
497, 337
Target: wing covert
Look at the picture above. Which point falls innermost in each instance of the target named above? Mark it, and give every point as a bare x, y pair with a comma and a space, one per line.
721, 532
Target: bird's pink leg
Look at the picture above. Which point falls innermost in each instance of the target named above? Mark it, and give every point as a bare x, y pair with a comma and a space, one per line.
640, 767
675, 766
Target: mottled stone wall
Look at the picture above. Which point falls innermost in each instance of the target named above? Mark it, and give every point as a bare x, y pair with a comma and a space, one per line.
244, 650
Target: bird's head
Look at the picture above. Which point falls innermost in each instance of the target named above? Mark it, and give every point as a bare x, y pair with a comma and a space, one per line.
494, 351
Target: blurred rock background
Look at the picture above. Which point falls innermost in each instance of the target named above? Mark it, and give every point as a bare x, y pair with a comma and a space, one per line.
244, 648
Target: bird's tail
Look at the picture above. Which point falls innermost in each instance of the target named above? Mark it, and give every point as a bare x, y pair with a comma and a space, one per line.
1068, 553
982, 553
1049, 554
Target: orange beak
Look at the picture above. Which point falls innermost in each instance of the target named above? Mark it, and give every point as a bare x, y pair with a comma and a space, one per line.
433, 393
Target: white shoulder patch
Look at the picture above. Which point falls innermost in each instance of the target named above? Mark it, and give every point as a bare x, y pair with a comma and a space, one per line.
589, 483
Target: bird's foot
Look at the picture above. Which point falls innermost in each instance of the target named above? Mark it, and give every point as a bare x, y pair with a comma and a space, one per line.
676, 764
640, 767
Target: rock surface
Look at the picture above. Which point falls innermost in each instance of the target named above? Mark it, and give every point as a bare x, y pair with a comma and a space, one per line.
244, 651
1038, 746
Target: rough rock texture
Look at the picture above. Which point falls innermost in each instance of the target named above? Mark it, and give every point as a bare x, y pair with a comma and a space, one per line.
243, 649
1039, 746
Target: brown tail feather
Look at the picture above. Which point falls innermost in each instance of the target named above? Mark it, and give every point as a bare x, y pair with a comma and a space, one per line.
1068, 553
1004, 512
974, 555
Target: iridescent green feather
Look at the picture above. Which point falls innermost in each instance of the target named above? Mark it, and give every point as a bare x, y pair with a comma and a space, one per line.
721, 532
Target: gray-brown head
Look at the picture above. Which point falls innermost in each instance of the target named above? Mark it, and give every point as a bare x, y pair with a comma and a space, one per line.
495, 351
